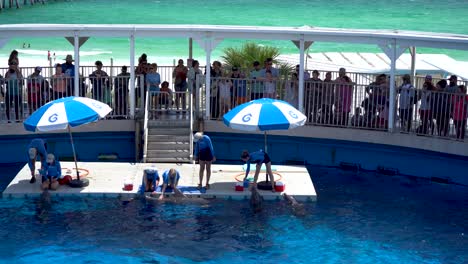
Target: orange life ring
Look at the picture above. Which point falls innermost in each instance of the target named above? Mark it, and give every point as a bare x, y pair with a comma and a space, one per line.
243, 174
83, 172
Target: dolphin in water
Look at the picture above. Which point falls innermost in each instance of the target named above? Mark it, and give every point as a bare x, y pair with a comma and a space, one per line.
298, 208
256, 200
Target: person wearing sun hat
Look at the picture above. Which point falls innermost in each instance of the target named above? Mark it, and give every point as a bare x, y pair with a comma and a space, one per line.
36, 147
453, 85
51, 173
204, 153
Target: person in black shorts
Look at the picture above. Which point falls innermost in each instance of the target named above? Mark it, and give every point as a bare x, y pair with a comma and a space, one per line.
204, 154
258, 157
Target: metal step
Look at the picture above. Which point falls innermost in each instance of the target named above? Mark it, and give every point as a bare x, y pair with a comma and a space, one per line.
169, 153
169, 131
168, 138
168, 123
158, 145
167, 160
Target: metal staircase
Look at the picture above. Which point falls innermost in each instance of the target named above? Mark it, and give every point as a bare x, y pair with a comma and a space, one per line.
168, 141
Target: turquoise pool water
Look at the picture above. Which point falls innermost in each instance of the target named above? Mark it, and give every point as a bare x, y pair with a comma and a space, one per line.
358, 218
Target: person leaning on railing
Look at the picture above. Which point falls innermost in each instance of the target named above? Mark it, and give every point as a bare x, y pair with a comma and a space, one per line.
460, 111
406, 103
14, 88
180, 84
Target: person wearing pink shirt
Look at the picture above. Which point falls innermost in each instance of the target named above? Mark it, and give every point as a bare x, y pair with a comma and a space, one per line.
459, 113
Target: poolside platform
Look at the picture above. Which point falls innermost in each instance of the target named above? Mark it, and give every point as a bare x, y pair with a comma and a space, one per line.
106, 179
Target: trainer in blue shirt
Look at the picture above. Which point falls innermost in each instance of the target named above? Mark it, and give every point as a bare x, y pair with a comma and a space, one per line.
35, 147
51, 173
205, 155
150, 180
170, 180
258, 157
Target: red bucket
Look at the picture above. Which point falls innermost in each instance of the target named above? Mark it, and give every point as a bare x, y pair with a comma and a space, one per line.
280, 186
128, 186
239, 187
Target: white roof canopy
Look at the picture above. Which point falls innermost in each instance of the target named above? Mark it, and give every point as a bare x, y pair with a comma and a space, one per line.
360, 62
364, 36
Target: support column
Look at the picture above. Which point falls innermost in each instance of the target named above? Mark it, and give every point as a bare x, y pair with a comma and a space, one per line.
76, 80
301, 75
413, 63
393, 52
132, 76
208, 43
302, 45
208, 80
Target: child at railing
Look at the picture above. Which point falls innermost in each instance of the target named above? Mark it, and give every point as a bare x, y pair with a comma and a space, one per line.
165, 96
269, 86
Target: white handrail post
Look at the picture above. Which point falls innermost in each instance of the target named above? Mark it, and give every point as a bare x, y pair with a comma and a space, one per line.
393, 52
132, 76
77, 64
208, 79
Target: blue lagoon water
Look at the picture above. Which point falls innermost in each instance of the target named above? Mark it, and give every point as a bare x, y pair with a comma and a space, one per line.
358, 218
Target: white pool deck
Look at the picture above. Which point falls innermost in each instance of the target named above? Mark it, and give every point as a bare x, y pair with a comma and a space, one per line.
106, 179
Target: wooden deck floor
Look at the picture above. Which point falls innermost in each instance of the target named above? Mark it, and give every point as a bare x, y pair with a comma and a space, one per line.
107, 180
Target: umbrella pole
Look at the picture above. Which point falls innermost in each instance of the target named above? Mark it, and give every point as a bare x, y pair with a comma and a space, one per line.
74, 154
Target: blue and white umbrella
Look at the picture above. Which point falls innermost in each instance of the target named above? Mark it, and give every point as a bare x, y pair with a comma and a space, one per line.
64, 113
263, 115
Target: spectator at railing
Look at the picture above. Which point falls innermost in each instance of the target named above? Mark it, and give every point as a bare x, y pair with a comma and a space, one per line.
121, 91
69, 70
37, 88
314, 97
425, 108
377, 97
153, 79
406, 103
460, 104
192, 75
100, 81
269, 84
358, 119
224, 87
453, 86
165, 96
14, 89
13, 57
239, 87
2, 88
328, 92
441, 108
141, 69
180, 84
256, 88
59, 83
216, 73
343, 97
292, 90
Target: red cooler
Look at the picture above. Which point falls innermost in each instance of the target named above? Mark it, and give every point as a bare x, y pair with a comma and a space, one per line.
239, 187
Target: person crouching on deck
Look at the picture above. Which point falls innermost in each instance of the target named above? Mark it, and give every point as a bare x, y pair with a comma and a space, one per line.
150, 180
258, 157
51, 173
170, 180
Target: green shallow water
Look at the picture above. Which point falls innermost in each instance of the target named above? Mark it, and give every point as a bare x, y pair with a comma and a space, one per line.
420, 15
